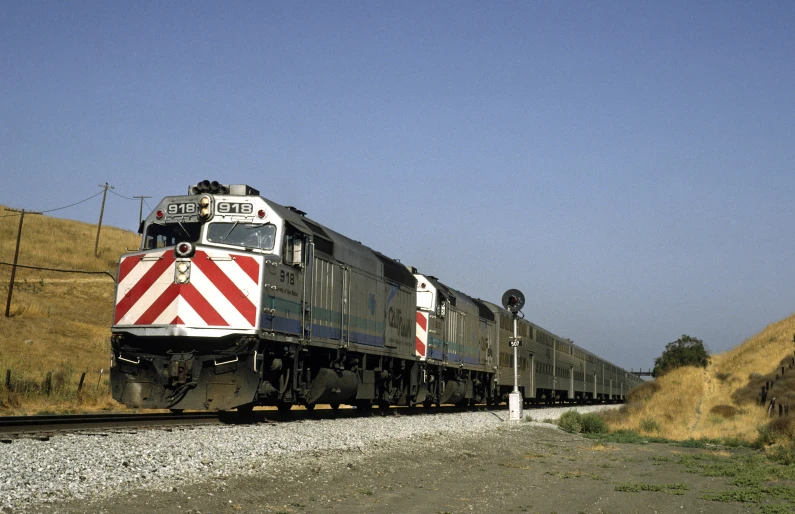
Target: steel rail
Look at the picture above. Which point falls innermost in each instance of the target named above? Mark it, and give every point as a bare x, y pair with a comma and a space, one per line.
44, 426
72, 422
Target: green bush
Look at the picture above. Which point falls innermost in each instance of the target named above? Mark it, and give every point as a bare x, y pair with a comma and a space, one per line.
593, 424
685, 351
783, 455
764, 437
571, 421
649, 425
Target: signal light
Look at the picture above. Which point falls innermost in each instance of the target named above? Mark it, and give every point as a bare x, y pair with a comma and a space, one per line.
261, 213
159, 214
513, 300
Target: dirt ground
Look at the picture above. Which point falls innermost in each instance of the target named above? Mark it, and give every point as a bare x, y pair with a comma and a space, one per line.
521, 467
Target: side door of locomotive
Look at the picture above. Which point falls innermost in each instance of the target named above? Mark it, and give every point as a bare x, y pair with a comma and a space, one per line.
284, 287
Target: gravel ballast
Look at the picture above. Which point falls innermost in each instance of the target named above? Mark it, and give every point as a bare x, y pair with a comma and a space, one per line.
95, 467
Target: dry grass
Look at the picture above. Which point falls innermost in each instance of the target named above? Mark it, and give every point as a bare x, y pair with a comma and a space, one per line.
59, 323
723, 400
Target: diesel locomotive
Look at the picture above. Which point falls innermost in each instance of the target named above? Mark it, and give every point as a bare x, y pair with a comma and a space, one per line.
234, 301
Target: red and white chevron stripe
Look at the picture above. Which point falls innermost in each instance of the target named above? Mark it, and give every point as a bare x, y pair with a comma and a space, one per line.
223, 290
422, 334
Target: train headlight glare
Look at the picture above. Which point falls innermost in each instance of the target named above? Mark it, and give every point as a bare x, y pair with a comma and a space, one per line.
205, 207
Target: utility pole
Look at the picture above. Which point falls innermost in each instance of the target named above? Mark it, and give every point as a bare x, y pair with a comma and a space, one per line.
141, 208
16, 257
101, 212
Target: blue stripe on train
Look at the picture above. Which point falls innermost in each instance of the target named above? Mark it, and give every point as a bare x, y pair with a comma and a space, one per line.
292, 326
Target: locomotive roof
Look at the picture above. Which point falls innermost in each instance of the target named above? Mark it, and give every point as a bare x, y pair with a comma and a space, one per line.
344, 249
453, 295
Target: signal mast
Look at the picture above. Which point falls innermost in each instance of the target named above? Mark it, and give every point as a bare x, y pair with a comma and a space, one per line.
513, 300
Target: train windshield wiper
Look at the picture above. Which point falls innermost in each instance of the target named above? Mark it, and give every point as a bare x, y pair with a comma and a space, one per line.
230, 231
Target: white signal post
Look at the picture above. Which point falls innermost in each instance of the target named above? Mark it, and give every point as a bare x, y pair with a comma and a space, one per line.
515, 402
513, 300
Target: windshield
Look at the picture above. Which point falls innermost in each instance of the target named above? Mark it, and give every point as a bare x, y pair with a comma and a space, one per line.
250, 235
158, 236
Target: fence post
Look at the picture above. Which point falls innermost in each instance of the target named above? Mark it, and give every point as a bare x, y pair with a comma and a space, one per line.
8, 380
101, 372
780, 409
48, 382
80, 385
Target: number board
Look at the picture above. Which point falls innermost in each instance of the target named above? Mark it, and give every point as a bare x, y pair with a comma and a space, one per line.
182, 209
234, 208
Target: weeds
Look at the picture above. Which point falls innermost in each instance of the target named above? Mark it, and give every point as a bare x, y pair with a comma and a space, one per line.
649, 425
626, 436
668, 488
576, 423
725, 411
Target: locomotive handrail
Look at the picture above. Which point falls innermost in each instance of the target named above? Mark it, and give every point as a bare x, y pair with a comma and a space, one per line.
136, 361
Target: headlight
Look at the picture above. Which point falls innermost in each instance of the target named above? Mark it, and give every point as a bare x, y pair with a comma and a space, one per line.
205, 207
182, 272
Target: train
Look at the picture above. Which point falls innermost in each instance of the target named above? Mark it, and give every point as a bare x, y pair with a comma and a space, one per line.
234, 301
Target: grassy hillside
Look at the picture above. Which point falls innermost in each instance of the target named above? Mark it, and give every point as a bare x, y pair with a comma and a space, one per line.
60, 322
723, 400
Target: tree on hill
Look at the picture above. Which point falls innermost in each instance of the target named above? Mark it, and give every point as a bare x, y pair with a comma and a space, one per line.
685, 351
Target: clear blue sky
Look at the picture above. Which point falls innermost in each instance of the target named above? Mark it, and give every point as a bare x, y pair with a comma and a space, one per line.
629, 165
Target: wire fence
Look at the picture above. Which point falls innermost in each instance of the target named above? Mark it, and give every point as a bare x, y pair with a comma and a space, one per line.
63, 383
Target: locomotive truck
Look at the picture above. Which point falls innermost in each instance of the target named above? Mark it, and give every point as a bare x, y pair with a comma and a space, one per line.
233, 301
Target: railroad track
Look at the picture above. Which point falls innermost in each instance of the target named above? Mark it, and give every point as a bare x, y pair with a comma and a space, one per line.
45, 426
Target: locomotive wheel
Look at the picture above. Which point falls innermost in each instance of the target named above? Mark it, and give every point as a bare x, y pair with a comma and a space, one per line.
176, 411
427, 404
310, 406
245, 410
334, 406
284, 406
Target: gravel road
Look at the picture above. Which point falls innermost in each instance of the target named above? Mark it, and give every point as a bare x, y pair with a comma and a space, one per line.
464, 462
90, 467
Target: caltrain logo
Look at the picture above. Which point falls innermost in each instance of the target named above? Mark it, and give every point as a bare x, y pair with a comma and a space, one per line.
397, 321
221, 290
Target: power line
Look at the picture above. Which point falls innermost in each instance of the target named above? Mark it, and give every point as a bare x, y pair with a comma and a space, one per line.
72, 205
125, 197
56, 209
108, 273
